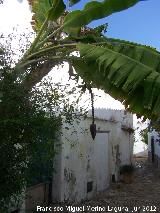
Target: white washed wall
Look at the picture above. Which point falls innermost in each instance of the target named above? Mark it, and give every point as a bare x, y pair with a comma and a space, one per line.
83, 160
156, 142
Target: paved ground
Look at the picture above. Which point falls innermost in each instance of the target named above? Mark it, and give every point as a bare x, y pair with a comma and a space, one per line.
143, 195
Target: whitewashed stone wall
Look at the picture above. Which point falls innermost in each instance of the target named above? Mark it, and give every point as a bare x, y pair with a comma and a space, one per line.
156, 137
156, 142
84, 164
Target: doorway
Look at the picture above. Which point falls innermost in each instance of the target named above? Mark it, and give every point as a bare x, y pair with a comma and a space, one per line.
102, 160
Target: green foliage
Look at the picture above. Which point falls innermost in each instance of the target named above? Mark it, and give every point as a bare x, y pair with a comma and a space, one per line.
56, 10
52, 9
95, 10
29, 127
125, 72
48, 9
23, 127
101, 29
144, 135
72, 2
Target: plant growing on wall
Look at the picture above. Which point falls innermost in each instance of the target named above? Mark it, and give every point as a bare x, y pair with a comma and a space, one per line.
144, 135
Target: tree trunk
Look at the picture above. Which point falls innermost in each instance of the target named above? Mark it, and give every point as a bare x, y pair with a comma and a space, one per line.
37, 74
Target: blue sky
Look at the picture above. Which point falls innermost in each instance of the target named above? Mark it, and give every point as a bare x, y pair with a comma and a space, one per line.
141, 23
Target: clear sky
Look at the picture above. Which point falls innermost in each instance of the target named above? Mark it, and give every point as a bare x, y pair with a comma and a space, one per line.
139, 23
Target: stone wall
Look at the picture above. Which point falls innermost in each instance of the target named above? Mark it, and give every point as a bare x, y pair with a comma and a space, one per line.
37, 195
81, 160
156, 142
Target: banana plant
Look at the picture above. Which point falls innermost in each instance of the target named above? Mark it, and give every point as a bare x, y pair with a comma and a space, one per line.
128, 71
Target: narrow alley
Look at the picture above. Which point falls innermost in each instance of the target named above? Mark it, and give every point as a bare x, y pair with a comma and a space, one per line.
143, 195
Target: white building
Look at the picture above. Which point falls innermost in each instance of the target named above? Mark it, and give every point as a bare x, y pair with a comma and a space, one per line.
85, 166
154, 148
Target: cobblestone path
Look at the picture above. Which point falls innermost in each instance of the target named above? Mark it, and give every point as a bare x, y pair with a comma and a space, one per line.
143, 195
